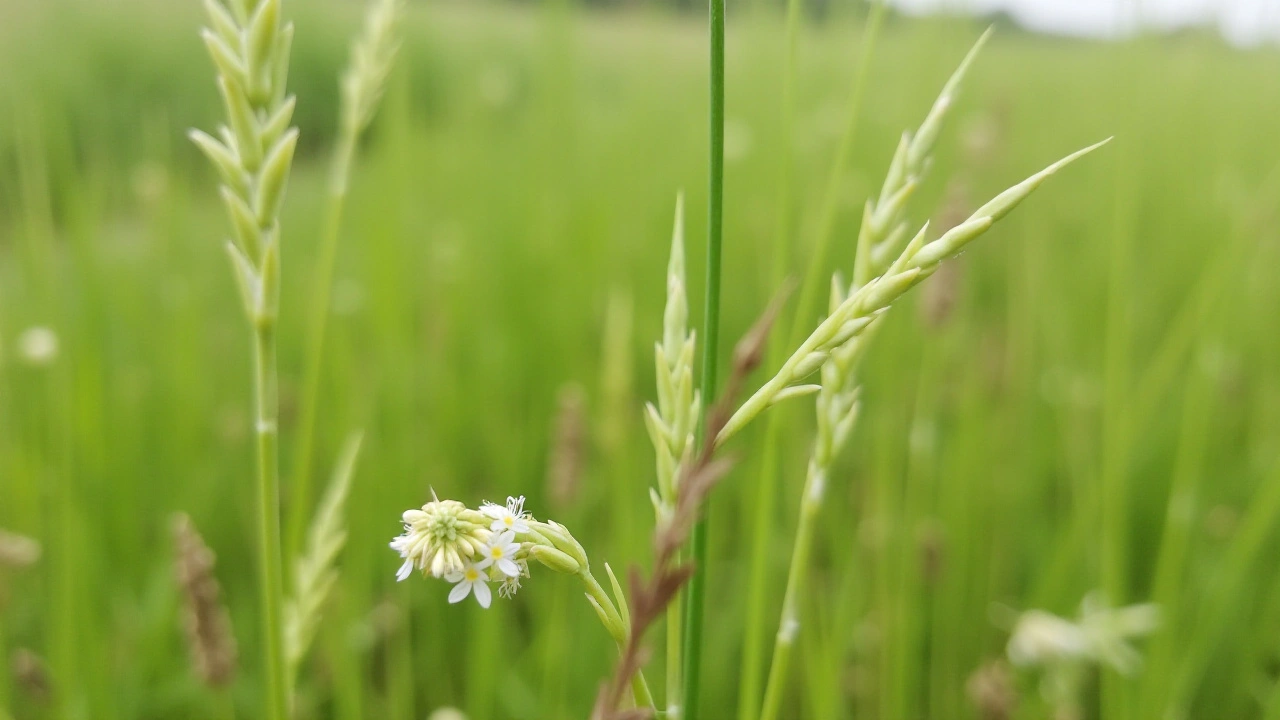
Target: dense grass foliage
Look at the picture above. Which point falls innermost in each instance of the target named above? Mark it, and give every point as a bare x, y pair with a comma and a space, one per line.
1097, 409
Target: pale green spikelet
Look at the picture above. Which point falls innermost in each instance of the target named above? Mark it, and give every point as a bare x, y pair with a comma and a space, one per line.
917, 261
884, 221
315, 572
362, 85
672, 422
372, 56
249, 46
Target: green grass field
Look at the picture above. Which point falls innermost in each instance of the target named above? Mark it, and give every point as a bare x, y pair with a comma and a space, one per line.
1098, 411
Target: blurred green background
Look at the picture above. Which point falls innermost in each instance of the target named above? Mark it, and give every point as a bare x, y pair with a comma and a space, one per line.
504, 254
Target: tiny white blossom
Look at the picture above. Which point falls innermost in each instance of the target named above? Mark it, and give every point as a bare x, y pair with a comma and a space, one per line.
501, 551
471, 581
38, 346
512, 517
1041, 637
511, 585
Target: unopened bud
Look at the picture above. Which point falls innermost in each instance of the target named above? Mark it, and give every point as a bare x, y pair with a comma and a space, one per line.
554, 559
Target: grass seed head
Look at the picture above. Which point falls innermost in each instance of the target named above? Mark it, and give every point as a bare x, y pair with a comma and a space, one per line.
210, 642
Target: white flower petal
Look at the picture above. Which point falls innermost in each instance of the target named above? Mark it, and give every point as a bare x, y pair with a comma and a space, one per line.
508, 568
515, 506
462, 590
404, 570
483, 563
454, 577
483, 596
502, 539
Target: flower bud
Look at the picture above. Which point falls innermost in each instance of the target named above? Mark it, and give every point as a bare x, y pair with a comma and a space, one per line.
560, 536
554, 559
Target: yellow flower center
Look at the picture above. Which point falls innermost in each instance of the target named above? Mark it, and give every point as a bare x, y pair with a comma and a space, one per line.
509, 521
497, 553
472, 575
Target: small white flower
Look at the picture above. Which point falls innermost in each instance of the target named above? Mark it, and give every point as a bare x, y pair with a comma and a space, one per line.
512, 517
511, 585
471, 580
1041, 638
1101, 636
38, 346
501, 551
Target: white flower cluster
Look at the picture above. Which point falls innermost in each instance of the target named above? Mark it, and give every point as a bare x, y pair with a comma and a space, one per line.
1064, 650
472, 548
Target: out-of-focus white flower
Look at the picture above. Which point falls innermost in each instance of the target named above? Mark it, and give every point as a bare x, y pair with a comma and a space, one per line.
18, 550
512, 517
1109, 629
1100, 636
447, 713
38, 346
471, 580
1040, 638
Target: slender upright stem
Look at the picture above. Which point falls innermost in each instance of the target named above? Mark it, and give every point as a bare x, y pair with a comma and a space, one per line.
269, 560
796, 575
317, 324
710, 348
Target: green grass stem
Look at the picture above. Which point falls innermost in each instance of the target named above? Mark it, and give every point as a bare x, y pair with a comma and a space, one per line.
693, 642
271, 577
